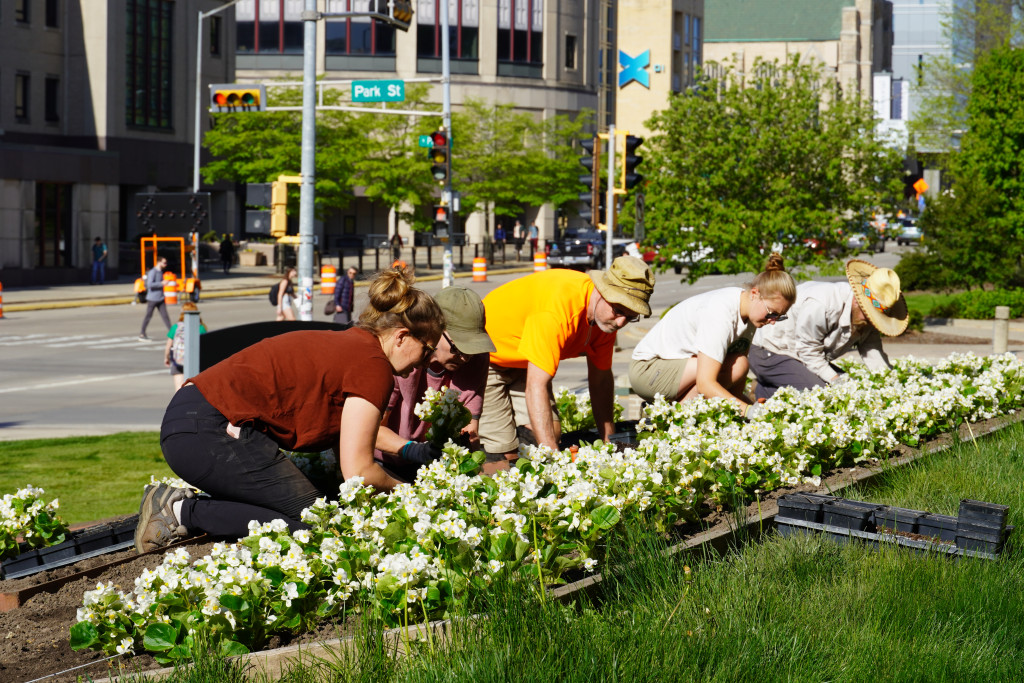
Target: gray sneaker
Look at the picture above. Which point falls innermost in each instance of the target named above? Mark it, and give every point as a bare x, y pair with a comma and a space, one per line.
158, 527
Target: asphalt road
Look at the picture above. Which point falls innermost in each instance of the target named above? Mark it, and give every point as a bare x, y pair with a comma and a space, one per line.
82, 371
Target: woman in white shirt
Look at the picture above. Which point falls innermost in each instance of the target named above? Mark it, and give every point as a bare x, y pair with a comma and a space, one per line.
827, 320
700, 346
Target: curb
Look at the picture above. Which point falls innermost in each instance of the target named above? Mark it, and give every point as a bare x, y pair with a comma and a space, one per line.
213, 294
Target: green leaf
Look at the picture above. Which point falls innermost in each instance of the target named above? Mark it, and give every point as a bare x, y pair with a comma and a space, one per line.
160, 637
605, 517
231, 648
83, 635
235, 602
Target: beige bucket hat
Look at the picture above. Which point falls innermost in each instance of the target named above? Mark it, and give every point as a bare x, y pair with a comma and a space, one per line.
629, 282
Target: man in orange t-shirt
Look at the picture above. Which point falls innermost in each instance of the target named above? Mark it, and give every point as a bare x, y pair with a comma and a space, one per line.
541, 319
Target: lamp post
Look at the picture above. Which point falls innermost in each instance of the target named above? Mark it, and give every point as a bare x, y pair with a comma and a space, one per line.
199, 87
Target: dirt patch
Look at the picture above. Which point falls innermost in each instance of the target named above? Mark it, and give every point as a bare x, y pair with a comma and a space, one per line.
34, 638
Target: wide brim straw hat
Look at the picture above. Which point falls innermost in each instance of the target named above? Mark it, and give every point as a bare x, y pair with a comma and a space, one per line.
629, 282
877, 290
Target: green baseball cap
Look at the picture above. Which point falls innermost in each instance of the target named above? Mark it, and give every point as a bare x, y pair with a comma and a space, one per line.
464, 313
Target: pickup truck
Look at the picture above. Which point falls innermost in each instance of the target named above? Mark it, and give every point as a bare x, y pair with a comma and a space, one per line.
577, 249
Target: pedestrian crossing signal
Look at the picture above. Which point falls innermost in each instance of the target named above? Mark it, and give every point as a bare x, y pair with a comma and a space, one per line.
230, 98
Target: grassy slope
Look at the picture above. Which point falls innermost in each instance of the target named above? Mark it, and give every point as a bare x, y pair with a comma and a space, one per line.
93, 476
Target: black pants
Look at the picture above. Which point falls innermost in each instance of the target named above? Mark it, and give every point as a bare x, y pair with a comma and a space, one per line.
776, 370
248, 478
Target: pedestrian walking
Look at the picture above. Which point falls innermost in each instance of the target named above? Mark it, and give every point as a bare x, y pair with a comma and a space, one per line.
396, 246
534, 237
174, 352
99, 262
286, 296
309, 390
344, 296
227, 253
155, 296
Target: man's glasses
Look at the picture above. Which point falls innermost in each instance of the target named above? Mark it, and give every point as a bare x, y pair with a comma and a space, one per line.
620, 312
770, 314
454, 349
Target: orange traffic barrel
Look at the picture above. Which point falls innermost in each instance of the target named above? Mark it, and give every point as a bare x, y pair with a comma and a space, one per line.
540, 261
1, 300
170, 288
479, 269
328, 279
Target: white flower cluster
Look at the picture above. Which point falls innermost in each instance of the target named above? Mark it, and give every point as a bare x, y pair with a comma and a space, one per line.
173, 482
25, 515
427, 544
322, 465
445, 413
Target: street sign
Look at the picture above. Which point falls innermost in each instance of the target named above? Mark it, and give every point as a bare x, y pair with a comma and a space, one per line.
921, 186
378, 91
426, 141
172, 213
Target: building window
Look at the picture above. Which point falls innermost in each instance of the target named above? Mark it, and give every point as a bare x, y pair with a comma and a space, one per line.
52, 12
50, 111
148, 63
520, 31
697, 39
570, 52
357, 35
272, 26
22, 82
463, 28
215, 31
21, 11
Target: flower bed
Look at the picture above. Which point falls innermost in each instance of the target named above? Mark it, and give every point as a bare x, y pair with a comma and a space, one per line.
27, 516
421, 550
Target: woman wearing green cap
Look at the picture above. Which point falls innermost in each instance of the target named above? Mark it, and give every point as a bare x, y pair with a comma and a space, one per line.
460, 363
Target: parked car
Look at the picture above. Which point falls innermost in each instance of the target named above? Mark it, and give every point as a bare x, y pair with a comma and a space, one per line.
910, 233
581, 249
866, 239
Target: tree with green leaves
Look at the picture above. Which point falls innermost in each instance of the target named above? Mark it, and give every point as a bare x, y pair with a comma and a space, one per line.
505, 160
975, 229
744, 164
257, 147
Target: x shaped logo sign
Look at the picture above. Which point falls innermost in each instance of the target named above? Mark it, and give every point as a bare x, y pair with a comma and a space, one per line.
634, 69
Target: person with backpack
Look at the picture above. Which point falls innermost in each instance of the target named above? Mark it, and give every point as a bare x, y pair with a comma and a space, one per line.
308, 390
174, 352
282, 295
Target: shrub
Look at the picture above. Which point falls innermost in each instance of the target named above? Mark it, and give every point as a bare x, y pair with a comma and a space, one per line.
981, 305
921, 270
916, 323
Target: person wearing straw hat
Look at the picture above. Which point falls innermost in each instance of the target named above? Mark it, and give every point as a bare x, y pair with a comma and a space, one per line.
828, 320
538, 320
460, 363
699, 346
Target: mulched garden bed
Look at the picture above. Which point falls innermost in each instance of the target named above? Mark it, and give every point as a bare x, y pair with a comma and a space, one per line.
34, 638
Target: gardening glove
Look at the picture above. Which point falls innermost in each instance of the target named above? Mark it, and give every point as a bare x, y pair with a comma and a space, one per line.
754, 411
420, 452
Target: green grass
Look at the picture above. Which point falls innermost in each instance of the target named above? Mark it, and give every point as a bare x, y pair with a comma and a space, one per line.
797, 609
94, 477
924, 302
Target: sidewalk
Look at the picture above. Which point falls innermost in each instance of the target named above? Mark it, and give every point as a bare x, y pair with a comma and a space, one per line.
241, 281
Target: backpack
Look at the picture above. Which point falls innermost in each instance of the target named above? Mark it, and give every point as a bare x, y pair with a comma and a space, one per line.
272, 294
178, 345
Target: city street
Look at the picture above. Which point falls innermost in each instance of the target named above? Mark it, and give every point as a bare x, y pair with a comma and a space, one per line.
82, 371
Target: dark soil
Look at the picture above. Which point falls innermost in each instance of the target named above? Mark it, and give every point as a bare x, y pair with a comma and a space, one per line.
34, 638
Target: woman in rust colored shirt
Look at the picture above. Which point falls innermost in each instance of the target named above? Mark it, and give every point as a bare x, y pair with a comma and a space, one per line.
300, 391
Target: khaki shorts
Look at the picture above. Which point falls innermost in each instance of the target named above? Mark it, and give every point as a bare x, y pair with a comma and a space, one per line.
657, 376
505, 407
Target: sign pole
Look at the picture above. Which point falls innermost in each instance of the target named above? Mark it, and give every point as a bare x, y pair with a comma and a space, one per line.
446, 111
307, 195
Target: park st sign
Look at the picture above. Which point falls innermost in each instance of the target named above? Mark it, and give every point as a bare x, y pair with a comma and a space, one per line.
378, 91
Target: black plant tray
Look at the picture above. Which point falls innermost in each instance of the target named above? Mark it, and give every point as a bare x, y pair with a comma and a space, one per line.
842, 519
82, 544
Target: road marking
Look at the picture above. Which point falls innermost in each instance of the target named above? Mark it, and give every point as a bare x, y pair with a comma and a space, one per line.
85, 380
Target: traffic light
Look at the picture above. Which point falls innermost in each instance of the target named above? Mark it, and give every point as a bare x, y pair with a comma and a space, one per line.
438, 156
594, 194
278, 208
630, 178
231, 97
399, 12
442, 217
